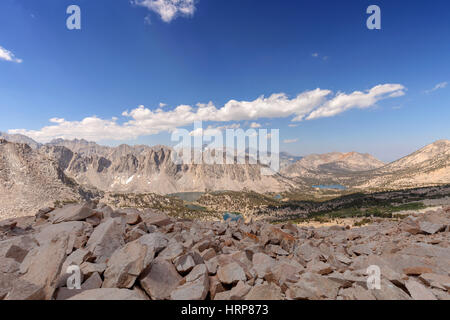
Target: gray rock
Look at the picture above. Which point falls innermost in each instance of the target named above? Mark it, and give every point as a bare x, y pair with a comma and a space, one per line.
215, 286
262, 264
6, 283
44, 265
173, 251
319, 267
436, 280
72, 212
208, 254
125, 265
196, 273
153, 218
231, 273
25, 290
88, 268
155, 243
106, 239
312, 286
160, 279
264, 292
225, 295
388, 291
284, 271
430, 227
108, 294
76, 258
418, 291
240, 291
77, 231
192, 290
356, 293
185, 263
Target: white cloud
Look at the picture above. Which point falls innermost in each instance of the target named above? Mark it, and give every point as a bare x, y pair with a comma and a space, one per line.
57, 120
315, 55
255, 125
290, 141
162, 105
211, 130
8, 56
142, 121
362, 100
168, 9
441, 85
205, 132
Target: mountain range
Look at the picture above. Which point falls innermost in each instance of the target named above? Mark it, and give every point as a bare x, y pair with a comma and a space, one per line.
427, 166
329, 167
33, 174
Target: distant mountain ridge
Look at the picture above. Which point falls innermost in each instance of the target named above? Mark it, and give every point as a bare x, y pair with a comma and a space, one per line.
19, 138
335, 164
428, 166
143, 169
33, 175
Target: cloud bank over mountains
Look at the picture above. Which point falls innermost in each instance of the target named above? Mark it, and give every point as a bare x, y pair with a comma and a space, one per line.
142, 121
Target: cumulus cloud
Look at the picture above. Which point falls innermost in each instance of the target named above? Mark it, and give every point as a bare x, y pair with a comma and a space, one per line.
168, 9
143, 121
441, 85
8, 56
358, 99
290, 141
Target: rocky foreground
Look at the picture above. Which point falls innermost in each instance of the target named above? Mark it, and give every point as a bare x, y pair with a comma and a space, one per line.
127, 254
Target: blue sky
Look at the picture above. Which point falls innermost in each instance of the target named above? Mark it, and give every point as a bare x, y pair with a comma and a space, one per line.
381, 91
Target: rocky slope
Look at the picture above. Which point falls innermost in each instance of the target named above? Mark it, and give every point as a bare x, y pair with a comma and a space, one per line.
132, 255
30, 180
330, 167
427, 166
